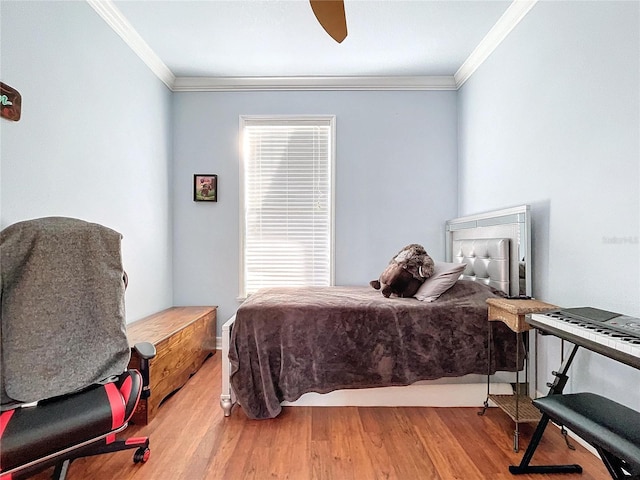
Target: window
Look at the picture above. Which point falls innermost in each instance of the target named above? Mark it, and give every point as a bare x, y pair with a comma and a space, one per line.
286, 202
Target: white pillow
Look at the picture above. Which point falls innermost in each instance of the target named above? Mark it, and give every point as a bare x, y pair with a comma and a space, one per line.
445, 275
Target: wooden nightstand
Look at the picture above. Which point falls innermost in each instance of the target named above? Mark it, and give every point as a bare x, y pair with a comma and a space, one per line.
512, 313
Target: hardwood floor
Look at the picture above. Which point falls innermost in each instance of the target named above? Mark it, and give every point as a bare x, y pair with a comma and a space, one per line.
192, 440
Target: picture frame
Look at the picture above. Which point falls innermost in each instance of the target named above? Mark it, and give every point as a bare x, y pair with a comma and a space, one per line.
205, 187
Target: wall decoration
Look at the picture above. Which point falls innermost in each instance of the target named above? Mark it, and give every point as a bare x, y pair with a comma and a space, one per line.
10, 102
205, 187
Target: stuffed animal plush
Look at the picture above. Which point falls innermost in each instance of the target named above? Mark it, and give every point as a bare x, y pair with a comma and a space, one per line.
406, 272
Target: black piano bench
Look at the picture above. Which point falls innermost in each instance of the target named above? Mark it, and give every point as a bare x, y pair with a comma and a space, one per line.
612, 428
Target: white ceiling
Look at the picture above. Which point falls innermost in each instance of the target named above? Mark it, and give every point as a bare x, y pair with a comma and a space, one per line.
282, 38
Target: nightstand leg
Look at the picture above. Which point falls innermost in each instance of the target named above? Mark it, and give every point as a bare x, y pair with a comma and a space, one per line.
516, 433
489, 338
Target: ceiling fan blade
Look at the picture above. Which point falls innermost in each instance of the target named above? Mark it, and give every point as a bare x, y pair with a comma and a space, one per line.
330, 14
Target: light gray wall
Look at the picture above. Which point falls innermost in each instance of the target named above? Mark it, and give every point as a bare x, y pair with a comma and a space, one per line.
94, 141
396, 181
553, 119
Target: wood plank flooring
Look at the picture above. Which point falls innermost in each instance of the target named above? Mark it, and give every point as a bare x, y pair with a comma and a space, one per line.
192, 440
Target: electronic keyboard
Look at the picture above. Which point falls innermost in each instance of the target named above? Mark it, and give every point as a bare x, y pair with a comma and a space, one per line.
611, 334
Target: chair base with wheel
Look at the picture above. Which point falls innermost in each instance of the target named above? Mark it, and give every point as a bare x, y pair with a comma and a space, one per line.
60, 430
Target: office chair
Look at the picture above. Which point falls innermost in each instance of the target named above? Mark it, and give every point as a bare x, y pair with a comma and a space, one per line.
64, 385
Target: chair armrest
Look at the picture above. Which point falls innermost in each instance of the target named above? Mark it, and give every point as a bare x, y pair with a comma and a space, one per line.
145, 350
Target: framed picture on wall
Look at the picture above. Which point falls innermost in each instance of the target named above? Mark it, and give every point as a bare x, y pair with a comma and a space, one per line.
205, 187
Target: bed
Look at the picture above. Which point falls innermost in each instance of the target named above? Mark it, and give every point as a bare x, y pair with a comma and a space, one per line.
288, 343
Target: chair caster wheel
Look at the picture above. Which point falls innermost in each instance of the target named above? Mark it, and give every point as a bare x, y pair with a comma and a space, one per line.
141, 455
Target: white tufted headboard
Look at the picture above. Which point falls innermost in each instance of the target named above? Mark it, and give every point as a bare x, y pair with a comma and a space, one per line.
508, 228
487, 261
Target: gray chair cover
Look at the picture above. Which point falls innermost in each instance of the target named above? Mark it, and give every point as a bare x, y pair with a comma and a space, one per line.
62, 324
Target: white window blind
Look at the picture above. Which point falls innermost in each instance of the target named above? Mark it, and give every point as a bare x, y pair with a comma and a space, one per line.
287, 202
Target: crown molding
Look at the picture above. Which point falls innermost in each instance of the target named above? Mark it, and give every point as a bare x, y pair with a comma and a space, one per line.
117, 21
223, 84
507, 22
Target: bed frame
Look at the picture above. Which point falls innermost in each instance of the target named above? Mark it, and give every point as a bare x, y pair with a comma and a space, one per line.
496, 248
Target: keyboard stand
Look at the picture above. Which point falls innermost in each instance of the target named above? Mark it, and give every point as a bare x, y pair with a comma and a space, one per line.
556, 388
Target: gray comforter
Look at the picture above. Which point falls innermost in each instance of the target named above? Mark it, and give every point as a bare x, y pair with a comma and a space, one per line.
289, 341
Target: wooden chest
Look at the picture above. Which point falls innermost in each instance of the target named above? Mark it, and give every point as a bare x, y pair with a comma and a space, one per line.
184, 337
